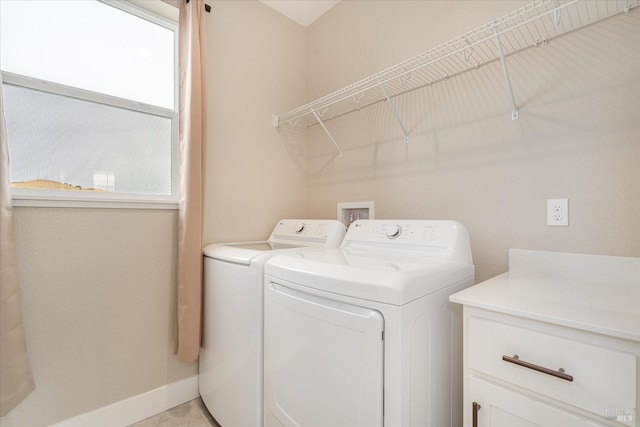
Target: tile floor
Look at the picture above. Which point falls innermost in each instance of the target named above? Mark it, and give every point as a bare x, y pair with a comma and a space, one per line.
190, 414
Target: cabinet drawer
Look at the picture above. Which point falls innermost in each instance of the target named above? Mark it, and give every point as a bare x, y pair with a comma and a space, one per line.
596, 379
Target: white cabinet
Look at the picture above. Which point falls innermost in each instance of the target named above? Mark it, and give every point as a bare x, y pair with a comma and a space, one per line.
533, 359
520, 372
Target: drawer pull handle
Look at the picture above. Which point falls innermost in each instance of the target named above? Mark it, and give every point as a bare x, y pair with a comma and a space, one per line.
558, 374
476, 407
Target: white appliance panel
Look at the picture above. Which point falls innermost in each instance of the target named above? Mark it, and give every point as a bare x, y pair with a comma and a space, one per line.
231, 344
311, 232
434, 239
311, 341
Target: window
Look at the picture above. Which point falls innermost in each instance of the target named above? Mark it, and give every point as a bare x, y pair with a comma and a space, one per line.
90, 100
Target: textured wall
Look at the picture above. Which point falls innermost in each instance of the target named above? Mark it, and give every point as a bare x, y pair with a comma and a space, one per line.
256, 65
98, 297
577, 137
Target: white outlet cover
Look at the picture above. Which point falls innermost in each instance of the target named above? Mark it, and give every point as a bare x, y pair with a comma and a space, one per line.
558, 212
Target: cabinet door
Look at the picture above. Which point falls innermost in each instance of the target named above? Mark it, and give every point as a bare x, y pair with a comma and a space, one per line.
496, 406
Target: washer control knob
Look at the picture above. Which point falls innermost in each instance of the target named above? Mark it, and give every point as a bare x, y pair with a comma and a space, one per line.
394, 232
300, 228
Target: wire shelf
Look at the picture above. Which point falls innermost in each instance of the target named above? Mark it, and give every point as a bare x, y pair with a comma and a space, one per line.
529, 26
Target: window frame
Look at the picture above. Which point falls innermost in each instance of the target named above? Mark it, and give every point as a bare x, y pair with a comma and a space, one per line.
65, 198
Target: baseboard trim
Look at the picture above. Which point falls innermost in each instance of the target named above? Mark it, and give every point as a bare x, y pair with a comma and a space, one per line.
137, 408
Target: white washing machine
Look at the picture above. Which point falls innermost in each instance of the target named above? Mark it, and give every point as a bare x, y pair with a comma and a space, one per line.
365, 335
230, 373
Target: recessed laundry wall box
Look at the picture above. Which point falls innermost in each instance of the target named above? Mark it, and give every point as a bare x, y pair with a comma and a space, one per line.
352, 211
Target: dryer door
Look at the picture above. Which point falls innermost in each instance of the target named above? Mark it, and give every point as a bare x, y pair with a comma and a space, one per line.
323, 361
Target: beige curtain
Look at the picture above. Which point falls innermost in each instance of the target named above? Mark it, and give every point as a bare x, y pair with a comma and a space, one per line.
193, 91
16, 380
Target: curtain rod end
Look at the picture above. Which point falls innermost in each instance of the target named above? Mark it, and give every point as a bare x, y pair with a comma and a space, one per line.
207, 8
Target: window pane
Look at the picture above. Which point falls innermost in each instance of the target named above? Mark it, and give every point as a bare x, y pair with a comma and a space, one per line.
61, 142
89, 45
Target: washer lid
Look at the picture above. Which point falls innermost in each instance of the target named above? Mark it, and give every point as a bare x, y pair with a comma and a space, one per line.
262, 246
244, 252
391, 277
287, 234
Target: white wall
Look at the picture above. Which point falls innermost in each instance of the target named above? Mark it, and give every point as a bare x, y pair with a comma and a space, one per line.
577, 137
98, 284
257, 61
98, 296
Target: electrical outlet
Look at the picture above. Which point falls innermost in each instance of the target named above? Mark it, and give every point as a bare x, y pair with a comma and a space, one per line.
558, 212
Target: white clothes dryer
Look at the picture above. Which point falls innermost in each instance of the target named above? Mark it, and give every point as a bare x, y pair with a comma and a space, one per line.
365, 335
231, 354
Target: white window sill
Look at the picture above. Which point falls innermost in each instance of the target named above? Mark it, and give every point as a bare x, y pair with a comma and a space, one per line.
108, 202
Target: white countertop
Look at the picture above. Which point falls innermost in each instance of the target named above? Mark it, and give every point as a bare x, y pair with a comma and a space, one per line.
578, 291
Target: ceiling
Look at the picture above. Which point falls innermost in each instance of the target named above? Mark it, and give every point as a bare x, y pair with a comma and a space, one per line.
304, 12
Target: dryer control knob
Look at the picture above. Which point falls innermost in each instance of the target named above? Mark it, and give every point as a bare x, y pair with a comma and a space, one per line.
395, 231
299, 228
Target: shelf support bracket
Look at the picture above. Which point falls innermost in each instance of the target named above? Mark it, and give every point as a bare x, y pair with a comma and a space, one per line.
556, 13
514, 108
327, 131
395, 112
